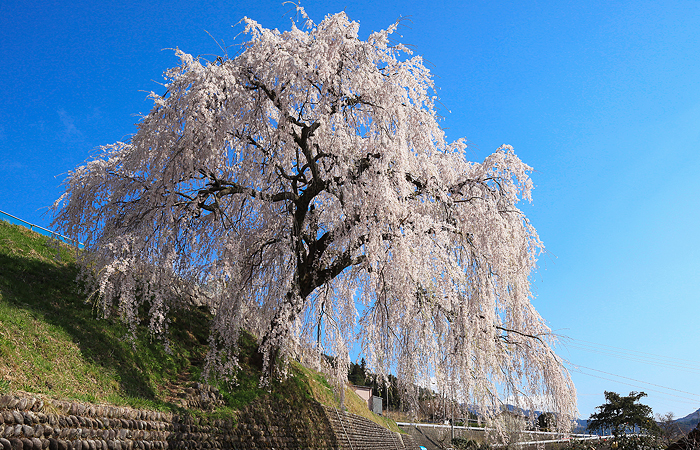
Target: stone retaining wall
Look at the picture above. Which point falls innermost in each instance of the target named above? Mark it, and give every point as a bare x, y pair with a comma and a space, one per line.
33, 423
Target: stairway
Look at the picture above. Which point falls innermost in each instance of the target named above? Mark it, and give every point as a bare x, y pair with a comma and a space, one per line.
357, 433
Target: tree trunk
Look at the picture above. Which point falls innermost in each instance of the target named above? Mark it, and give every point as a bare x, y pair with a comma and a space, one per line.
278, 332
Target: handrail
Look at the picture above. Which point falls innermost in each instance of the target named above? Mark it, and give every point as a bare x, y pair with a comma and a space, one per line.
459, 427
565, 437
552, 441
343, 426
46, 232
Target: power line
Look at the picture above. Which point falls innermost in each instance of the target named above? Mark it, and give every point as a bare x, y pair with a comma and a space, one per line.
683, 399
635, 351
638, 381
636, 356
641, 360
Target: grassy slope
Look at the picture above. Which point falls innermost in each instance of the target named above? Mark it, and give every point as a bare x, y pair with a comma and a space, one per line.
53, 342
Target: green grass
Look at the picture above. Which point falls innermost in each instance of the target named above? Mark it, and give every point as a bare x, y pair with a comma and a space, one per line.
54, 342
323, 393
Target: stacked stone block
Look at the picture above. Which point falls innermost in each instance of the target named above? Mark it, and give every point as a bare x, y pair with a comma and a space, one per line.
32, 423
28, 423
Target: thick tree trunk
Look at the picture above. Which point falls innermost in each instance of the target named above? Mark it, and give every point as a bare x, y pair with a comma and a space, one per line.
278, 332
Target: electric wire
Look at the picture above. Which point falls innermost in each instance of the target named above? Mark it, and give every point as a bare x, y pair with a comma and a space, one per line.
634, 358
678, 364
682, 399
638, 381
624, 350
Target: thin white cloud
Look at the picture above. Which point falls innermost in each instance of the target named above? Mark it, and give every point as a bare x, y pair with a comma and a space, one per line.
69, 132
12, 166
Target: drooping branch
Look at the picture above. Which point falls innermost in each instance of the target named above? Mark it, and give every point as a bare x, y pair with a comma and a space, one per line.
329, 177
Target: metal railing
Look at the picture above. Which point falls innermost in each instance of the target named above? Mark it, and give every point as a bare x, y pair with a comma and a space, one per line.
563, 437
41, 230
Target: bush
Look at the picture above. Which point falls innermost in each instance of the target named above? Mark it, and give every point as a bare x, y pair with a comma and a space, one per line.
461, 443
627, 442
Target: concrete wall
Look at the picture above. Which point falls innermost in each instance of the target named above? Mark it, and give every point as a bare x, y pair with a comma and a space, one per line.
34, 423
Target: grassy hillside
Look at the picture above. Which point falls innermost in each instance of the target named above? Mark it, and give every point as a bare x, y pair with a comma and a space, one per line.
54, 342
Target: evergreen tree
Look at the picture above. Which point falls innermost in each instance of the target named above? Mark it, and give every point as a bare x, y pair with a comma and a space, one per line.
623, 415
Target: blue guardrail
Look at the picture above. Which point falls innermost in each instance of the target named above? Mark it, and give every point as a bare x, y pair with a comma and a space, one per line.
41, 230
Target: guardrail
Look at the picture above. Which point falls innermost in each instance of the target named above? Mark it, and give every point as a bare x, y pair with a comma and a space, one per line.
41, 230
553, 441
564, 437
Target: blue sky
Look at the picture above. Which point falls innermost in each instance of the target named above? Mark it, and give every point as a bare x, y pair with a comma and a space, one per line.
601, 98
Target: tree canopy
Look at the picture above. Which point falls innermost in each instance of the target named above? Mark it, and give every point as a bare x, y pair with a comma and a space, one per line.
620, 415
306, 191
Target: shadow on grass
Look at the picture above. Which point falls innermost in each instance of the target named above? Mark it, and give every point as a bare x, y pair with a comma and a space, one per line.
48, 291
113, 368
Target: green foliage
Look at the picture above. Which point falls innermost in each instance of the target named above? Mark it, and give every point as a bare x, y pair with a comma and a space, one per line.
388, 390
460, 443
547, 421
626, 442
357, 374
624, 417
247, 388
638, 442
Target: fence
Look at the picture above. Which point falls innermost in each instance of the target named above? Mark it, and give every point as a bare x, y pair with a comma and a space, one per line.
537, 437
41, 230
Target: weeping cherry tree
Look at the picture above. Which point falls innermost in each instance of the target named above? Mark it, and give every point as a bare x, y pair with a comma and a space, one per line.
305, 189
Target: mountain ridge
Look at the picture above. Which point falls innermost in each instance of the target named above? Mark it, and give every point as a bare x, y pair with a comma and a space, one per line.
688, 422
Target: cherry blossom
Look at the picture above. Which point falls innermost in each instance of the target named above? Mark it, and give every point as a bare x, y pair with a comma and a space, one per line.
305, 191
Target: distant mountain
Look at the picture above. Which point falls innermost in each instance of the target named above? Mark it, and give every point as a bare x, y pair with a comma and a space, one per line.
688, 422
580, 427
